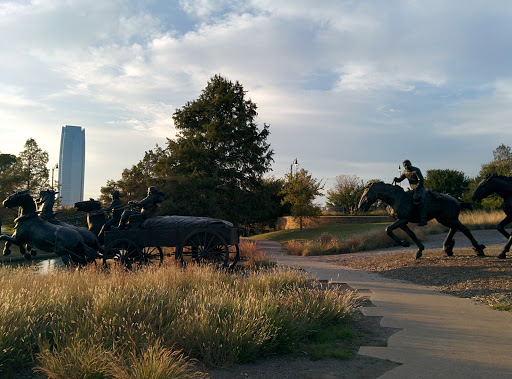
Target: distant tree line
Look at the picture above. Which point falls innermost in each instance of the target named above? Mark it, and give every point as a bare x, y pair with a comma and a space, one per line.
347, 190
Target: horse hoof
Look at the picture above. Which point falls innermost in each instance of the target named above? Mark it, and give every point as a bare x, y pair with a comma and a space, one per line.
405, 243
27, 256
7, 252
449, 252
502, 255
419, 254
480, 251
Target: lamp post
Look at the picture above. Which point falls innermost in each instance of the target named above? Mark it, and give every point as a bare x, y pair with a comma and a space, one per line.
294, 163
53, 169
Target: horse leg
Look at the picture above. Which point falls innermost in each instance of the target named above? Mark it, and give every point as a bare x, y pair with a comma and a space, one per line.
501, 226
395, 225
23, 252
32, 250
464, 229
449, 242
411, 234
9, 240
7, 248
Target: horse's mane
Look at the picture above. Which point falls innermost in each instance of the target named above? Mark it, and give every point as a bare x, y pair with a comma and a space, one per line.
497, 176
368, 185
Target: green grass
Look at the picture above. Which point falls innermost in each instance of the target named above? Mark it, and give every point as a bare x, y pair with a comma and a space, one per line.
337, 231
348, 238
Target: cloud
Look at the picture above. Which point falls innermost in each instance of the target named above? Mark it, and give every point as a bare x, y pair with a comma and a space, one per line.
347, 87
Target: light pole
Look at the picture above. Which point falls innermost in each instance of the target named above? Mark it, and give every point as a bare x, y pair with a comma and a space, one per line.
296, 164
53, 169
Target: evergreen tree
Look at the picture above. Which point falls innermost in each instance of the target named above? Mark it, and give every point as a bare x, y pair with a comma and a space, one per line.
219, 148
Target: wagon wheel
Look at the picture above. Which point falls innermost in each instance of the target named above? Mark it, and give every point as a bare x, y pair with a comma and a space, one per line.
123, 251
152, 255
205, 246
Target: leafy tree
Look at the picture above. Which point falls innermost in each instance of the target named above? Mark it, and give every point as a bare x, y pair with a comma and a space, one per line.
31, 166
265, 204
215, 163
9, 177
346, 193
219, 143
501, 164
452, 182
299, 191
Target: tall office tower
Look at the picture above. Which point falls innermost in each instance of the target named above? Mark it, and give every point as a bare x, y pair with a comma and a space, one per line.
71, 165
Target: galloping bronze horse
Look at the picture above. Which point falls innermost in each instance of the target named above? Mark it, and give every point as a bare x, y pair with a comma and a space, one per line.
444, 208
46, 201
502, 186
33, 230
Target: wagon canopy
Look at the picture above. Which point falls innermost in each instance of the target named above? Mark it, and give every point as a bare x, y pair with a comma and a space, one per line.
184, 222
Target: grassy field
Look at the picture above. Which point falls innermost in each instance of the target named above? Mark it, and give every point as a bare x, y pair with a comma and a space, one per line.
348, 238
157, 322
337, 231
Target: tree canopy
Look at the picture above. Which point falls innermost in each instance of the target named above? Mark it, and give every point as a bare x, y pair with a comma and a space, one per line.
215, 163
346, 193
300, 190
452, 182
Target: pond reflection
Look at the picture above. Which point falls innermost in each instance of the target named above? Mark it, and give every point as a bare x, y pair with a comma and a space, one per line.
42, 266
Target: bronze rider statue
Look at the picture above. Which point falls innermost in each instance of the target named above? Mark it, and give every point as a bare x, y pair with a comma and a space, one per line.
415, 178
149, 206
116, 207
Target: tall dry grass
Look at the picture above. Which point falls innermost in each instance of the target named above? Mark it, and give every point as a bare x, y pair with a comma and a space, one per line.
253, 256
376, 239
152, 322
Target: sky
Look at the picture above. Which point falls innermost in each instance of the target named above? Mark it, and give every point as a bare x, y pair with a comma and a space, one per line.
347, 87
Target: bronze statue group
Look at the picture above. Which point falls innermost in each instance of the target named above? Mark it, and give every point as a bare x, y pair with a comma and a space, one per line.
37, 226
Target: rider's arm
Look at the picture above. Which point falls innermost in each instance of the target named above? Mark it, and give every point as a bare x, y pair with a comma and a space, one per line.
399, 179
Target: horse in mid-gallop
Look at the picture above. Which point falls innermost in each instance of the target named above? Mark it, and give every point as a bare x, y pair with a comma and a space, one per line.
35, 231
502, 186
46, 201
444, 208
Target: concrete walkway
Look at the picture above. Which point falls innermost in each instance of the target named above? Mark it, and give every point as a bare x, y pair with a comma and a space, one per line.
441, 336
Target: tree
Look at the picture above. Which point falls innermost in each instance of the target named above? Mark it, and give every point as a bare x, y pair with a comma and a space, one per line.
31, 166
452, 182
218, 142
9, 177
346, 193
500, 165
300, 190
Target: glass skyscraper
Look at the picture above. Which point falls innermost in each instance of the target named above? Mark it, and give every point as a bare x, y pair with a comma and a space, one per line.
71, 165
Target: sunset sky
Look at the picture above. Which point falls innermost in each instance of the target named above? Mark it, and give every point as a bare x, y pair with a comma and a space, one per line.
347, 87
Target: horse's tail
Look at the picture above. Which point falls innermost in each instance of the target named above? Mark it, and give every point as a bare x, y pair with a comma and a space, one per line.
465, 205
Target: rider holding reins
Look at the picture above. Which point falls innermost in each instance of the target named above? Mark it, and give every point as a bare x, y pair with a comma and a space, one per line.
415, 178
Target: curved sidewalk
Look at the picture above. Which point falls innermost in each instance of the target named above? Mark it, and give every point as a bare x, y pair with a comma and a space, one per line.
441, 336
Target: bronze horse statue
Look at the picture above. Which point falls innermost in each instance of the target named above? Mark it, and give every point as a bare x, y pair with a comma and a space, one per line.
502, 186
46, 201
35, 231
444, 208
95, 214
